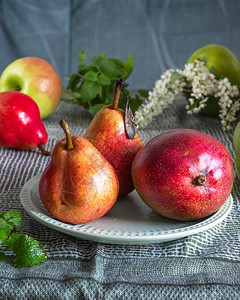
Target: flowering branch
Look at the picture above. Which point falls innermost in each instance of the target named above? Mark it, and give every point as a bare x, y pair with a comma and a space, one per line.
199, 84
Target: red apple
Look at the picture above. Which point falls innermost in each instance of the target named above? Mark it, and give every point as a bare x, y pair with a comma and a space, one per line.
36, 78
183, 174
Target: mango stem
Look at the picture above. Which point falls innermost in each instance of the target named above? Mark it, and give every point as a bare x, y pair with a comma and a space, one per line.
199, 180
67, 131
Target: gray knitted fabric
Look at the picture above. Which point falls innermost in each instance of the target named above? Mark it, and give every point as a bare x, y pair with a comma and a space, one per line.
202, 266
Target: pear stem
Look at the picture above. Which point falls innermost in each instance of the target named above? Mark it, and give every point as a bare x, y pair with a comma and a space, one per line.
67, 131
43, 151
117, 91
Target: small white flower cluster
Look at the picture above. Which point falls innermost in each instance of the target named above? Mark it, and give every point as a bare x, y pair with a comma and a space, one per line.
200, 84
164, 93
229, 102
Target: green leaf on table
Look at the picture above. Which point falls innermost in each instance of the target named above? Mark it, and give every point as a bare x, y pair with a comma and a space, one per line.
3, 223
12, 239
89, 90
4, 234
2, 256
10, 219
28, 252
176, 76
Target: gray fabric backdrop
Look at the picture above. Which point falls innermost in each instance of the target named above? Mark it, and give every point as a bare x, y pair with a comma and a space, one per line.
161, 34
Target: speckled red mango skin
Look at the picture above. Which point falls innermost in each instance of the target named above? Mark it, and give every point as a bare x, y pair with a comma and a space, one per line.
108, 134
20, 124
78, 186
164, 168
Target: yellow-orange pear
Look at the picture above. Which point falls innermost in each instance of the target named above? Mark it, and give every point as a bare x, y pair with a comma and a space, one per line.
79, 185
113, 132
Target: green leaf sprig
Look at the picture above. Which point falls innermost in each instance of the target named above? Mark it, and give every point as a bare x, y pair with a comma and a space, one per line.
93, 85
27, 250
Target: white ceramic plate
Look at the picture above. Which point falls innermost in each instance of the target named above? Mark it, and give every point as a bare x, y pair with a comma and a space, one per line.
130, 221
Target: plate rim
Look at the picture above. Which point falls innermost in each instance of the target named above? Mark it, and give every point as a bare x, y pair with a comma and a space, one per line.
169, 235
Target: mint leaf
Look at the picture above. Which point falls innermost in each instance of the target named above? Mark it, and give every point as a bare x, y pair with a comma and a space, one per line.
74, 81
120, 69
14, 217
2, 256
3, 223
4, 234
91, 76
12, 239
128, 65
108, 67
95, 108
28, 252
81, 67
143, 93
92, 85
90, 90
136, 102
81, 57
10, 219
97, 60
104, 80
119, 64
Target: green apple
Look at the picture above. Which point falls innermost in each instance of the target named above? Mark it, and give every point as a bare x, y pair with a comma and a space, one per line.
222, 62
238, 162
36, 78
236, 145
236, 137
219, 60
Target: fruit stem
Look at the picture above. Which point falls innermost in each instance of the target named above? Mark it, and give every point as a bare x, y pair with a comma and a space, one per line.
43, 151
67, 131
117, 91
199, 180
17, 88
